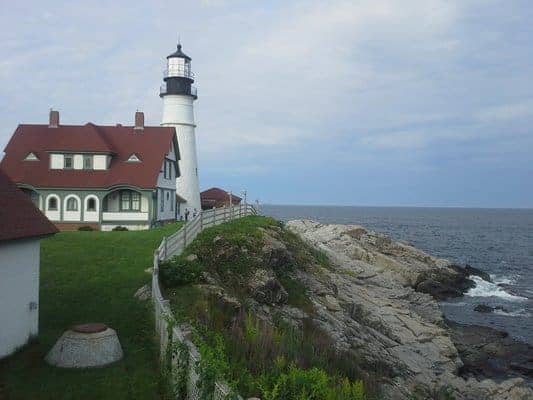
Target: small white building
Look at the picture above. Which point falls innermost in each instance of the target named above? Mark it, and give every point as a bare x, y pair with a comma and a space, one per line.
22, 226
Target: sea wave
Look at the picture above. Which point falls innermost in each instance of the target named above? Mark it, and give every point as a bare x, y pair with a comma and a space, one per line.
484, 288
517, 313
502, 281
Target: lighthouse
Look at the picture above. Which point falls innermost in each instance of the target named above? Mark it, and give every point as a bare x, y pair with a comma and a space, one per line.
178, 96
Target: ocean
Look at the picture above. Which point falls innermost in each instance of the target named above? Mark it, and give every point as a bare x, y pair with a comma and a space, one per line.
497, 241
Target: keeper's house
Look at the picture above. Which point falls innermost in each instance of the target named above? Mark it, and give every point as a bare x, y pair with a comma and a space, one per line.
102, 176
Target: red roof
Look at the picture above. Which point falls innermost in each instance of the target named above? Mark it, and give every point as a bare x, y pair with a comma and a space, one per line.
150, 145
19, 218
217, 194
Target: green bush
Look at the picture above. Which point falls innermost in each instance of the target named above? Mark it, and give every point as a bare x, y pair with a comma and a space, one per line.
86, 228
313, 384
120, 228
177, 272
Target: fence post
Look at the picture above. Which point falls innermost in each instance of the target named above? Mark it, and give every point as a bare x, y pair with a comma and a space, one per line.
201, 221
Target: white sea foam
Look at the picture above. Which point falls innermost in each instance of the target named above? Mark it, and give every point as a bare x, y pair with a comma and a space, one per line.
504, 280
518, 313
489, 289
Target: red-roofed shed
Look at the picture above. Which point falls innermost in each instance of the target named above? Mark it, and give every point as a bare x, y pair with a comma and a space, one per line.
22, 226
216, 197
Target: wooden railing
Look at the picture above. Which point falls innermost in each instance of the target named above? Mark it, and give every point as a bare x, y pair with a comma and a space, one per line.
173, 245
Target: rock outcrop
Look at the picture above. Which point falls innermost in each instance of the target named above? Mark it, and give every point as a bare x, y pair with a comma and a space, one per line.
377, 300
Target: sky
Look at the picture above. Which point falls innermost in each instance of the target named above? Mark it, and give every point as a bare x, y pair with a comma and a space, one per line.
378, 103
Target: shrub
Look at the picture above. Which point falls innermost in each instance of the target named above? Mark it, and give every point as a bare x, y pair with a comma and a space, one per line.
86, 228
120, 228
177, 272
312, 384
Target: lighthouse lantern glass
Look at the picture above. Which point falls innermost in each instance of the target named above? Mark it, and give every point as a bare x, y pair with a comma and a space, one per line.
178, 66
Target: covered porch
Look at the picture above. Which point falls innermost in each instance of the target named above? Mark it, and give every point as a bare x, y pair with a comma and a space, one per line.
126, 206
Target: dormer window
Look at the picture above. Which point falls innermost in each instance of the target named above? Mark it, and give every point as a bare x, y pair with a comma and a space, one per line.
87, 161
133, 158
31, 157
68, 161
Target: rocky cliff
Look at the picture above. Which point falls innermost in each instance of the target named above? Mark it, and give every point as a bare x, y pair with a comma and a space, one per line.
366, 304
379, 298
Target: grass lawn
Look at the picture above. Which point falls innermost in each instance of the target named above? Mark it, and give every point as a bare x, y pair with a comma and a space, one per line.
91, 277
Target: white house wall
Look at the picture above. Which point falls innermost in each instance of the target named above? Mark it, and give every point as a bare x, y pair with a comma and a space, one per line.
124, 216
167, 196
19, 294
109, 227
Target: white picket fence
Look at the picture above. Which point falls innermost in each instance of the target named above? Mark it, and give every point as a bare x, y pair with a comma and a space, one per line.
173, 245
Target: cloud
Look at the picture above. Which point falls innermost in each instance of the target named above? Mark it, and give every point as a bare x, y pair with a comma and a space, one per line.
506, 112
294, 86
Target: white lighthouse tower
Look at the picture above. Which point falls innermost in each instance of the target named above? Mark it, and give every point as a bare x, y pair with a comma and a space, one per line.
178, 96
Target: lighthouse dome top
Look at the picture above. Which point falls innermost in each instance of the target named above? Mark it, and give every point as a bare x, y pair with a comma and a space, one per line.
179, 54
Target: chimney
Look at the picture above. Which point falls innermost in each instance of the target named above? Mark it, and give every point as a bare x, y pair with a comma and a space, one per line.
139, 121
54, 119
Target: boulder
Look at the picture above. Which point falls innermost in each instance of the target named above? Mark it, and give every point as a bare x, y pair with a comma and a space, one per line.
191, 257
265, 288
274, 252
483, 308
143, 293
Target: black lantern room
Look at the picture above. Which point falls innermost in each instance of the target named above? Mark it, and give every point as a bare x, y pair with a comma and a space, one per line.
178, 75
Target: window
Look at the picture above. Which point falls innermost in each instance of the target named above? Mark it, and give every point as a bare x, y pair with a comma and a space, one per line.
165, 169
169, 169
135, 201
69, 161
91, 204
130, 201
172, 203
31, 157
72, 204
52, 204
125, 200
162, 201
133, 158
87, 162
